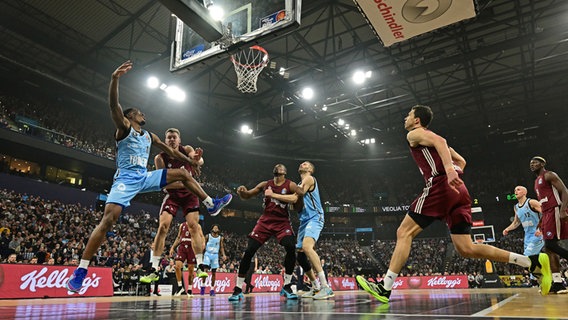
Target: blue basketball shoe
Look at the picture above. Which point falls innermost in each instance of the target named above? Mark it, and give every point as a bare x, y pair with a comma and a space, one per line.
219, 204
237, 295
288, 293
76, 280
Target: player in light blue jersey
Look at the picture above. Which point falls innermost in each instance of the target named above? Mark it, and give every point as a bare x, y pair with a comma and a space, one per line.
214, 246
307, 201
132, 177
528, 213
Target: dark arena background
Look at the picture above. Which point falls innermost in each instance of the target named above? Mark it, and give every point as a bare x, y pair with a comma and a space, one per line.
332, 85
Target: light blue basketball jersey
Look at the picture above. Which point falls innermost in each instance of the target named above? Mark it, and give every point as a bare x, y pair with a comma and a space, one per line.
312, 204
133, 151
213, 245
529, 220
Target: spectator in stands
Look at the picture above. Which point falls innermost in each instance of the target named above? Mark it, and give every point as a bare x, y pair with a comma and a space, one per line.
12, 258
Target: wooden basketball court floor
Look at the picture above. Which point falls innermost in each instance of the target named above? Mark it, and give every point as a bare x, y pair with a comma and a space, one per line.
405, 304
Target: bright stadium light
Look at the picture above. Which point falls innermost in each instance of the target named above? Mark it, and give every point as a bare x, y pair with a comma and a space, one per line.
359, 76
175, 93
245, 129
216, 12
307, 93
340, 122
153, 83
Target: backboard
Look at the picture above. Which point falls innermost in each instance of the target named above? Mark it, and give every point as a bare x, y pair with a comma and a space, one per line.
245, 21
483, 234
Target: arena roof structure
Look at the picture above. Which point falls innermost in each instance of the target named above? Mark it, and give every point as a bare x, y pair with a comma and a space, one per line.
496, 79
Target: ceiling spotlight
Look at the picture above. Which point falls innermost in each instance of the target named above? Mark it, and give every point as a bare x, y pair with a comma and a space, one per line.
216, 12
372, 140
175, 93
324, 108
153, 82
340, 122
307, 93
367, 141
360, 76
353, 132
245, 129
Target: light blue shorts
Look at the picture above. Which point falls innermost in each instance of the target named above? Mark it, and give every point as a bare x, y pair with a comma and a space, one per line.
309, 228
211, 259
128, 184
533, 245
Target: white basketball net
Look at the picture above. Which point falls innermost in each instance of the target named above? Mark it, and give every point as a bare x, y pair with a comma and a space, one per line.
249, 63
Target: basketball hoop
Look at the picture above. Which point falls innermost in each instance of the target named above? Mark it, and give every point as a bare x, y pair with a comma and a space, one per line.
248, 65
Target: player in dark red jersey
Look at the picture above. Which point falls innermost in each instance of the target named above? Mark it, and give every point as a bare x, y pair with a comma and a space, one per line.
178, 196
553, 196
184, 254
444, 197
274, 221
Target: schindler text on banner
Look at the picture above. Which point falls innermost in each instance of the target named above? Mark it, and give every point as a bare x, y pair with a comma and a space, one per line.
397, 20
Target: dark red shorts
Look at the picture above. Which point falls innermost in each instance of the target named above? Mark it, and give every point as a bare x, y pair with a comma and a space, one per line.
552, 227
174, 200
267, 227
440, 201
185, 253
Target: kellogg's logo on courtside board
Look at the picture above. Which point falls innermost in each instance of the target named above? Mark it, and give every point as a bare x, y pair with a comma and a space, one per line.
443, 282
264, 281
56, 279
348, 283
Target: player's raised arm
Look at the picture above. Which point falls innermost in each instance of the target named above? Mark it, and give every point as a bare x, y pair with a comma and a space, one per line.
244, 193
116, 112
171, 152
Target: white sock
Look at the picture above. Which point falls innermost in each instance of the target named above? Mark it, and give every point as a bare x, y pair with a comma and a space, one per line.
84, 264
198, 259
322, 280
179, 284
155, 262
316, 284
208, 202
389, 279
519, 260
240, 282
287, 279
556, 277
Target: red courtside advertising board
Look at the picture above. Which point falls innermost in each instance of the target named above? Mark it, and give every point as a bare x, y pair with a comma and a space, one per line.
224, 282
431, 282
18, 281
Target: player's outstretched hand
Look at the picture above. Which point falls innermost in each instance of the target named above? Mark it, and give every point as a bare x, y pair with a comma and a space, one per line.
198, 154
122, 69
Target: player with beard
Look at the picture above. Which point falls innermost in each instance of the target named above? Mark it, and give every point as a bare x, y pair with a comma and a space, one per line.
274, 221
132, 176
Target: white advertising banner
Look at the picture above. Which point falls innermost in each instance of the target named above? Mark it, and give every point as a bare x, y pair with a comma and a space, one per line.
398, 20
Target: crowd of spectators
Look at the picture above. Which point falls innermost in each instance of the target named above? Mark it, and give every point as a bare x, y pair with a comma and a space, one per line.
389, 182
39, 231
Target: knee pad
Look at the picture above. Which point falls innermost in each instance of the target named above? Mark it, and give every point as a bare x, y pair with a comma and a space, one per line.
303, 261
289, 243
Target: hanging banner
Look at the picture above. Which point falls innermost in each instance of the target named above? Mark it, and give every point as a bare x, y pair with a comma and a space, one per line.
398, 20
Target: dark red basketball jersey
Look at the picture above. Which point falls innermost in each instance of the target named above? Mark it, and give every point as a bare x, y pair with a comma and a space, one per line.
429, 162
273, 206
546, 193
185, 236
172, 163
